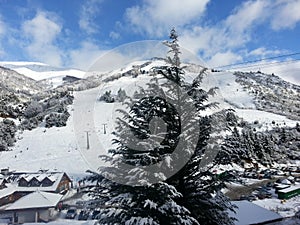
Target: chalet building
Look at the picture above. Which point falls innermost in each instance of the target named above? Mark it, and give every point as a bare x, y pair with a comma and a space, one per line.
21, 184
35, 207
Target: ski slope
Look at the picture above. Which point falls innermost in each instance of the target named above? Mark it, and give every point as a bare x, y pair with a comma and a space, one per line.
76, 147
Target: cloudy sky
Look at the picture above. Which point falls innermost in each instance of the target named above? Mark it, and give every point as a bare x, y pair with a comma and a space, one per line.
73, 33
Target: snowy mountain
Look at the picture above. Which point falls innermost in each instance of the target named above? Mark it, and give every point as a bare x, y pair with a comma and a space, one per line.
61, 125
13, 82
271, 93
46, 74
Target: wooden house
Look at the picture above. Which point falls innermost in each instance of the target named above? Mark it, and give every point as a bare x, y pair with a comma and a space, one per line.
35, 207
25, 183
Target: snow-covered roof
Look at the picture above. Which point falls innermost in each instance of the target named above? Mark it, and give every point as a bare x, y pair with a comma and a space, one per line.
250, 213
41, 176
14, 187
6, 191
292, 188
282, 186
28, 177
36, 199
286, 181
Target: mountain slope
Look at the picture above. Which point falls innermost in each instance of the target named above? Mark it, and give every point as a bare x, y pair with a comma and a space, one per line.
46, 74
16, 83
271, 93
65, 148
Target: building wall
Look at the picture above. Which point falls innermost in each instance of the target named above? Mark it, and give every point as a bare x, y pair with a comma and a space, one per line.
64, 184
12, 197
34, 215
24, 216
288, 195
6, 216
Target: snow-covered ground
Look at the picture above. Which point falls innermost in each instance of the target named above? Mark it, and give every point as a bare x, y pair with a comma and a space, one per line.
57, 148
66, 149
48, 74
40, 71
231, 91
266, 120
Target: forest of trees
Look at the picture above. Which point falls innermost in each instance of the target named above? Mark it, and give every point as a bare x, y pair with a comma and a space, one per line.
279, 145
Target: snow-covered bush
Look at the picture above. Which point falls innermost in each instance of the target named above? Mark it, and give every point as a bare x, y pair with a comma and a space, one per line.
107, 97
31, 123
57, 119
33, 109
7, 134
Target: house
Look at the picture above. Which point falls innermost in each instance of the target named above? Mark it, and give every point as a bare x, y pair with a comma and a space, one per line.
35, 207
290, 192
248, 213
21, 184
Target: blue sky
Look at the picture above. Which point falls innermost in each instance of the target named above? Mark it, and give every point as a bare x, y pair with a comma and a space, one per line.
73, 33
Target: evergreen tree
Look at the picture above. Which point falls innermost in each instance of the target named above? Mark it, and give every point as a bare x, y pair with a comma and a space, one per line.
150, 133
200, 189
130, 205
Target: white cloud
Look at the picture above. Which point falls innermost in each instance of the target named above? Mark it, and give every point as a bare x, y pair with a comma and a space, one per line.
224, 58
246, 15
288, 72
41, 32
262, 51
286, 14
238, 26
221, 43
155, 17
87, 16
85, 55
2, 28
114, 35
2, 33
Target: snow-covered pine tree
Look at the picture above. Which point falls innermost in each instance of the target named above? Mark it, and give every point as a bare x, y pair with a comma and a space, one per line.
232, 148
192, 195
200, 188
138, 200
138, 205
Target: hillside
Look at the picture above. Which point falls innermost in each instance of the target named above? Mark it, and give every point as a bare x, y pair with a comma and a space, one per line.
63, 146
271, 93
13, 82
40, 71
